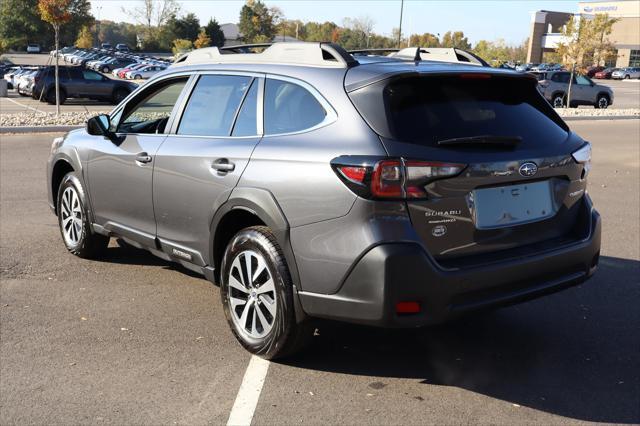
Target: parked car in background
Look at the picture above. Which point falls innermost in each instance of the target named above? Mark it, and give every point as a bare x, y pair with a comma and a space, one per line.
605, 73
62, 51
526, 67
144, 72
106, 45
121, 47
76, 82
591, 71
555, 88
24, 82
33, 48
112, 63
626, 73
122, 72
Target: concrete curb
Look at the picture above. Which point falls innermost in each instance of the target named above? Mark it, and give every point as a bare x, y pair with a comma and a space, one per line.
38, 129
601, 118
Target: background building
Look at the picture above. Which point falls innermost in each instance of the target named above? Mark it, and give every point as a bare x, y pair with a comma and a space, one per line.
546, 27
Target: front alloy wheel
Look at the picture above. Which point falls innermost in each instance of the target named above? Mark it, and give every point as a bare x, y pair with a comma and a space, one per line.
603, 102
71, 217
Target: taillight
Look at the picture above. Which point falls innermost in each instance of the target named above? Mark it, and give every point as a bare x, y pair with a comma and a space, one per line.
583, 156
392, 178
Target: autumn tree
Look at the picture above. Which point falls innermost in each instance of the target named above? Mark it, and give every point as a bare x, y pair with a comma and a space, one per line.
583, 39
85, 38
203, 40
455, 39
181, 46
424, 40
56, 13
256, 22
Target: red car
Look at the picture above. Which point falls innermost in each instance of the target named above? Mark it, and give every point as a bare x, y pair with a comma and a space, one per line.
606, 73
592, 71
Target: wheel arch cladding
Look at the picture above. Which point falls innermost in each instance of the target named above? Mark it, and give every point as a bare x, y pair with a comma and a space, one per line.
248, 207
60, 169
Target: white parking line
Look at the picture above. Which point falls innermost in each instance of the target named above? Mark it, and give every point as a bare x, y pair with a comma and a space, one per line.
249, 392
24, 106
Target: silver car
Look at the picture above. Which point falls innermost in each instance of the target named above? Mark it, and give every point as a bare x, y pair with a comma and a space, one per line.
308, 184
554, 86
626, 73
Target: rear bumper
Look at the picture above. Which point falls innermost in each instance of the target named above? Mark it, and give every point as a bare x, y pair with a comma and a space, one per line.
404, 272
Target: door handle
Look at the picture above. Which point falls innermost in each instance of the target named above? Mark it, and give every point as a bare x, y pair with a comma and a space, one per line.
143, 157
223, 165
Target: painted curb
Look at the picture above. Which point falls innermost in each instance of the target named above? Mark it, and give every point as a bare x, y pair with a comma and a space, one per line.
38, 129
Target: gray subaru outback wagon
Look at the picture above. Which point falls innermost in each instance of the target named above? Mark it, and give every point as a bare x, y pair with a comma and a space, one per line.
310, 183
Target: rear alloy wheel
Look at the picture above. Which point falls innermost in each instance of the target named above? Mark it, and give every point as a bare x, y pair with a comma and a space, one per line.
73, 221
558, 101
257, 295
105, 70
137, 77
602, 102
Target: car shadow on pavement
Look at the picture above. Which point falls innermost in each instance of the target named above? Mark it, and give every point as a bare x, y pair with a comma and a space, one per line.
126, 254
574, 354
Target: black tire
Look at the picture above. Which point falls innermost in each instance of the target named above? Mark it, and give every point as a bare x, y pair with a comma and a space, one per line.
286, 336
88, 245
627, 77
137, 77
119, 95
105, 70
558, 100
51, 96
602, 102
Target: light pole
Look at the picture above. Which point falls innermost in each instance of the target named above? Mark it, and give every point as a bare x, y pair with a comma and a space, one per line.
400, 27
99, 9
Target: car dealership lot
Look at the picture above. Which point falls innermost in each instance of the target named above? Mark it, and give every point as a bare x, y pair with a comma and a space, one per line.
134, 339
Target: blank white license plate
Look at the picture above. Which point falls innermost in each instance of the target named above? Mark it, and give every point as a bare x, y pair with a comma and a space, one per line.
513, 205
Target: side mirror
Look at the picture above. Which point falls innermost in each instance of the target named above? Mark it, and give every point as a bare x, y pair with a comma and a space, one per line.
99, 126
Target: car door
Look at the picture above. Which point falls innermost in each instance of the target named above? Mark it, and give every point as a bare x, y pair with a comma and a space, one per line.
203, 158
582, 91
95, 85
120, 171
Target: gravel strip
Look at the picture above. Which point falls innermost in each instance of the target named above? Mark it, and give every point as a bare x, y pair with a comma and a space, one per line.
36, 119
579, 112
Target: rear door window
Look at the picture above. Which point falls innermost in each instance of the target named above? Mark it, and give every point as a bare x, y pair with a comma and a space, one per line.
247, 117
289, 107
213, 105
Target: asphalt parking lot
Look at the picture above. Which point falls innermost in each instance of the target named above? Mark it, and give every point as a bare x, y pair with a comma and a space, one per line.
135, 340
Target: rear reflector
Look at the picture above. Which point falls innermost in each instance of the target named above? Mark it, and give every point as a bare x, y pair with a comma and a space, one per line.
407, 307
352, 173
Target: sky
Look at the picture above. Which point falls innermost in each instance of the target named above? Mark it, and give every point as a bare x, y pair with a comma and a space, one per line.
480, 20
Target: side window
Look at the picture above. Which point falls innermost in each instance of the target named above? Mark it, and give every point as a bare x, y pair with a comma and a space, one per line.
289, 107
582, 80
246, 121
213, 105
91, 75
150, 111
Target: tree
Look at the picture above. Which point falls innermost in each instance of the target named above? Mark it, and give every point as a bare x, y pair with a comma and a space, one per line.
203, 40
187, 27
85, 38
21, 23
214, 32
424, 40
153, 13
256, 22
584, 40
181, 46
455, 39
57, 13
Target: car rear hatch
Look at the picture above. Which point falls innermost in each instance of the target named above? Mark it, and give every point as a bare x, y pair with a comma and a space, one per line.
487, 169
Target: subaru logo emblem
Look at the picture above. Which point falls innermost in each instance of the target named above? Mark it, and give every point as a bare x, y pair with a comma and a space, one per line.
528, 169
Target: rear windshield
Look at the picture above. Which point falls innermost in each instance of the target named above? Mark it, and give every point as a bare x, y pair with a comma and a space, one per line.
424, 110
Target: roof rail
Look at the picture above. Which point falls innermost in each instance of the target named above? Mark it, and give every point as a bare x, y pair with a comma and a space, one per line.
322, 54
440, 54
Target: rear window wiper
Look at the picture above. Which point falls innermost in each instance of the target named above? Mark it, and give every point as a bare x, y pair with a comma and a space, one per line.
509, 141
